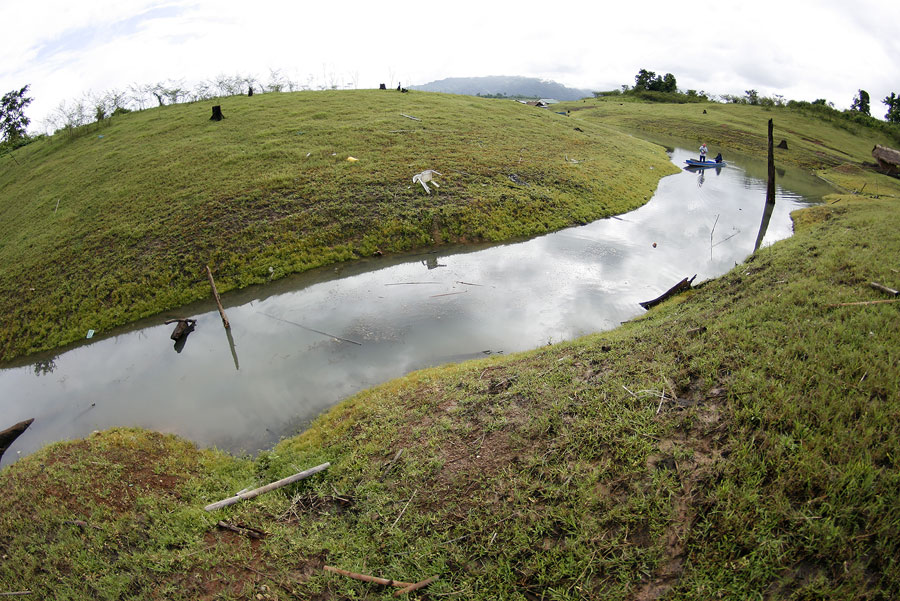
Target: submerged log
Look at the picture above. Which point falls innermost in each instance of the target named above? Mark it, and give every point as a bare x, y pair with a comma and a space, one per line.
682, 285
9, 436
888, 159
184, 327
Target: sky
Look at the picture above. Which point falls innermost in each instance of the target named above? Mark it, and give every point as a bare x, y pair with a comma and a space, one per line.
800, 49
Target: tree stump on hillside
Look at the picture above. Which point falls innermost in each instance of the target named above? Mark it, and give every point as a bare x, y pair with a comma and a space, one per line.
888, 159
217, 113
783, 145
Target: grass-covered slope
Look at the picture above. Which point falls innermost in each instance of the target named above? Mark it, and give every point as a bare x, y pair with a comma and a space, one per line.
116, 221
812, 143
738, 442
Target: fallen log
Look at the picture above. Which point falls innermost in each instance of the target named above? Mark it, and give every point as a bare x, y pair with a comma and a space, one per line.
8, 436
243, 496
682, 285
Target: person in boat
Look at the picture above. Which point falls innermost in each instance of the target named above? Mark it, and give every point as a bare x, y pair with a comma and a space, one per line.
719, 158
703, 151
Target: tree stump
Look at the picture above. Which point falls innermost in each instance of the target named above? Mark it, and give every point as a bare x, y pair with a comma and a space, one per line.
184, 327
250, 91
217, 113
783, 145
888, 159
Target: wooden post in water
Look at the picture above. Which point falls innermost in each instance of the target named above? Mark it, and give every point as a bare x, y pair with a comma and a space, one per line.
218, 300
770, 188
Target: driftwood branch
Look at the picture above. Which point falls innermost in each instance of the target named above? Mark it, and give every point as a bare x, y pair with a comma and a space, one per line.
682, 285
415, 587
243, 496
212, 283
367, 578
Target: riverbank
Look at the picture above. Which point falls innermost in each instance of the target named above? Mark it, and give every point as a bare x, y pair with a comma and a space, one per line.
739, 441
116, 221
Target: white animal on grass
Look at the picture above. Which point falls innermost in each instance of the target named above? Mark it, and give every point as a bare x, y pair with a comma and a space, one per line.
426, 176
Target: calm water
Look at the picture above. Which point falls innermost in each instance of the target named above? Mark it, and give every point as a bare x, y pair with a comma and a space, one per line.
300, 345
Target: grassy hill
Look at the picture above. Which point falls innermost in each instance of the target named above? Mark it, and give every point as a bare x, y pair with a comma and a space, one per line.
737, 442
116, 221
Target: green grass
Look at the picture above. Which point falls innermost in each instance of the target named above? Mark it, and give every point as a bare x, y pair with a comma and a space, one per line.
812, 143
560, 473
116, 221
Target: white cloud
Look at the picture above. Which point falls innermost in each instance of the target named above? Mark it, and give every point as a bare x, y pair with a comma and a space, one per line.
801, 49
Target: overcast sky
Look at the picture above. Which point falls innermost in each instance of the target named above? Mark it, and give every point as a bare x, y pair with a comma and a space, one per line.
801, 49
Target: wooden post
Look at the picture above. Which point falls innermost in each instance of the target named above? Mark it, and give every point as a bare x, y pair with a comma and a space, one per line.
770, 188
218, 300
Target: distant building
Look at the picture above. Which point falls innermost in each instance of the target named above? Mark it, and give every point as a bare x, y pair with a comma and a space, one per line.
547, 101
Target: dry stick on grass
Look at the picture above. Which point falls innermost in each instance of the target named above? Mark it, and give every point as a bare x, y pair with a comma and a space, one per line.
874, 302
884, 288
367, 578
415, 587
82, 524
246, 531
404, 508
15, 593
267, 488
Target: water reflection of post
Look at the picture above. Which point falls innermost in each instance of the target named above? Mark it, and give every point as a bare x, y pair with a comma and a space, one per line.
233, 351
764, 225
770, 191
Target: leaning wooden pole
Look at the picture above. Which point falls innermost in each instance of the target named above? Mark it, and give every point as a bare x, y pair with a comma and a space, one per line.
770, 188
218, 300
267, 488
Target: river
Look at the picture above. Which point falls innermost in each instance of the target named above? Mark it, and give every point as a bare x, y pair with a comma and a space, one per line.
300, 345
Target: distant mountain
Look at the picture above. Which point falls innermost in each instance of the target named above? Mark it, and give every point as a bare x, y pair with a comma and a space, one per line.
530, 87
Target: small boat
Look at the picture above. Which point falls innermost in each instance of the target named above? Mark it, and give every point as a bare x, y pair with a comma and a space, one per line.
696, 163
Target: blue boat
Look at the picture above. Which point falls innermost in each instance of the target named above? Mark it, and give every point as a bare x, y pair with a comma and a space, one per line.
696, 163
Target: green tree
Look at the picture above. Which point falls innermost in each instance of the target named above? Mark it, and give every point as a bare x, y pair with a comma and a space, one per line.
752, 96
861, 103
669, 84
644, 79
893, 104
13, 122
